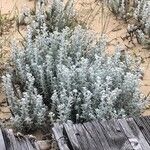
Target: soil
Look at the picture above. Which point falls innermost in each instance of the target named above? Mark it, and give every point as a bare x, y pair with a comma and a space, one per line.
90, 12
15, 6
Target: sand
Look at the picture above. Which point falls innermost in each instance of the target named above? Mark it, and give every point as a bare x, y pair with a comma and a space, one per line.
12, 6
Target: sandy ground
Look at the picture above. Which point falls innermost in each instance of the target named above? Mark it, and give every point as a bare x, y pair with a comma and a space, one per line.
107, 23
14, 6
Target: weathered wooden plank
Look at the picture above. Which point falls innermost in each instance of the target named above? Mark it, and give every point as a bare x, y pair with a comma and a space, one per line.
32, 145
2, 143
144, 127
88, 141
22, 142
32, 142
134, 135
27, 144
110, 135
71, 134
101, 135
146, 124
146, 121
121, 134
91, 131
81, 138
121, 140
59, 136
6, 138
15, 142
115, 137
148, 117
12, 144
36, 146
138, 133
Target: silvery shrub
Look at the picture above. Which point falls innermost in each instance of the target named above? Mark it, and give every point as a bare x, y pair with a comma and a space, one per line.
69, 75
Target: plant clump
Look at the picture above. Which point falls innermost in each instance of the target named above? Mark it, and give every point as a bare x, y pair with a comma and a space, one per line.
122, 8
142, 16
56, 14
68, 75
139, 12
